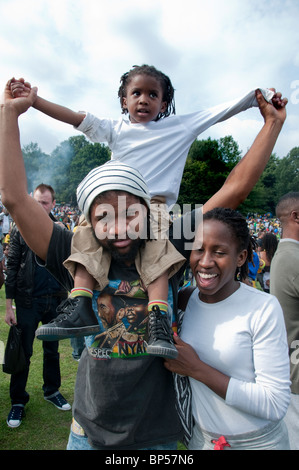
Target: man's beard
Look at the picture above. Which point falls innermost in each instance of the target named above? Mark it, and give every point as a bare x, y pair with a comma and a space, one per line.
115, 254
130, 255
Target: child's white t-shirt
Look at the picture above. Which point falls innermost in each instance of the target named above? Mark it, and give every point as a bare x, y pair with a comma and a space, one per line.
159, 149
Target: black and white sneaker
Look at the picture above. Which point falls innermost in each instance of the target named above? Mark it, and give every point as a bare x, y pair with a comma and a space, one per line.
15, 416
59, 401
76, 318
160, 341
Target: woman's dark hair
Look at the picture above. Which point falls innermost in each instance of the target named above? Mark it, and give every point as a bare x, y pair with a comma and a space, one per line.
269, 244
168, 90
238, 227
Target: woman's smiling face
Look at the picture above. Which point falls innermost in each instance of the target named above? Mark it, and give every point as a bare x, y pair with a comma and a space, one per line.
215, 260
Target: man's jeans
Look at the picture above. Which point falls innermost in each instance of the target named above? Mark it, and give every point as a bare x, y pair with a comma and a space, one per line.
42, 310
77, 442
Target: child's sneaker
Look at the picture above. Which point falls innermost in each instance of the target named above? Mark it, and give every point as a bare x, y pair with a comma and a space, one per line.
160, 341
76, 318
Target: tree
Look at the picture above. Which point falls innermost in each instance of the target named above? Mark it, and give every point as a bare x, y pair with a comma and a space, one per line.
268, 180
71, 161
59, 166
67, 165
287, 174
87, 158
208, 164
230, 151
36, 165
255, 201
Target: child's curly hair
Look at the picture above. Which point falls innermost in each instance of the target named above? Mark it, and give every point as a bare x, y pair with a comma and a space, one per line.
168, 90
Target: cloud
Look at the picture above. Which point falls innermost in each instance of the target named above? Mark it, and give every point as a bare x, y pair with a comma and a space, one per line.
76, 50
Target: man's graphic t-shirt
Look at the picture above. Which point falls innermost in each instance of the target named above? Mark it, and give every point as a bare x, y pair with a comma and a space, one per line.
124, 398
122, 313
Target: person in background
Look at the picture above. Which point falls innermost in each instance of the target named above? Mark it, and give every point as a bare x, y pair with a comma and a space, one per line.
284, 284
5, 247
6, 222
37, 294
267, 250
1, 267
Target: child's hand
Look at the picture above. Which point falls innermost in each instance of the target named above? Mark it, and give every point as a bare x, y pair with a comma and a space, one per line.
20, 88
20, 103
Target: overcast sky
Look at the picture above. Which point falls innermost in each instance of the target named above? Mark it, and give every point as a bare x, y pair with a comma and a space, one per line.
76, 50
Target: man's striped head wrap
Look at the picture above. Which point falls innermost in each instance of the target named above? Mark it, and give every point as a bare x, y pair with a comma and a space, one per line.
112, 176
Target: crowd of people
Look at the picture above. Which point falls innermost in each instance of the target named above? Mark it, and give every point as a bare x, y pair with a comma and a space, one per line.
220, 390
259, 224
32, 296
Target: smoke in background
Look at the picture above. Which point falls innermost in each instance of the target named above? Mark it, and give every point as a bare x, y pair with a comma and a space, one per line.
50, 169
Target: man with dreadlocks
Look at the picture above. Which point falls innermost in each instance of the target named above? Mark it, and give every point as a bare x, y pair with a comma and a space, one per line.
158, 148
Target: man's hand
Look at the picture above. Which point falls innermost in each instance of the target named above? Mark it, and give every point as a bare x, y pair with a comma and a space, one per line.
21, 103
10, 316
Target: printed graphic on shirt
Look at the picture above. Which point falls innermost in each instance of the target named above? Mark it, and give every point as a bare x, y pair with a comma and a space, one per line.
122, 313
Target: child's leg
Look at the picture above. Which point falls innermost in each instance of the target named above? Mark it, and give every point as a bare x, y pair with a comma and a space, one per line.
84, 283
158, 293
160, 341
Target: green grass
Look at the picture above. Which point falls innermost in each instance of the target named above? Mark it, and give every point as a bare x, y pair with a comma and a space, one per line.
44, 427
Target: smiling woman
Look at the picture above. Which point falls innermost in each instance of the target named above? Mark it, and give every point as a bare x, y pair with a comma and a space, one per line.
228, 333
224, 250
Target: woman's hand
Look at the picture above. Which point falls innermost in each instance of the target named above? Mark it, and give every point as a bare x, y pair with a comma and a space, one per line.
188, 363
276, 110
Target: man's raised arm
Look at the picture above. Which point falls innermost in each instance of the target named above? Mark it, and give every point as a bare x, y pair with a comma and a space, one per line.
33, 222
247, 172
